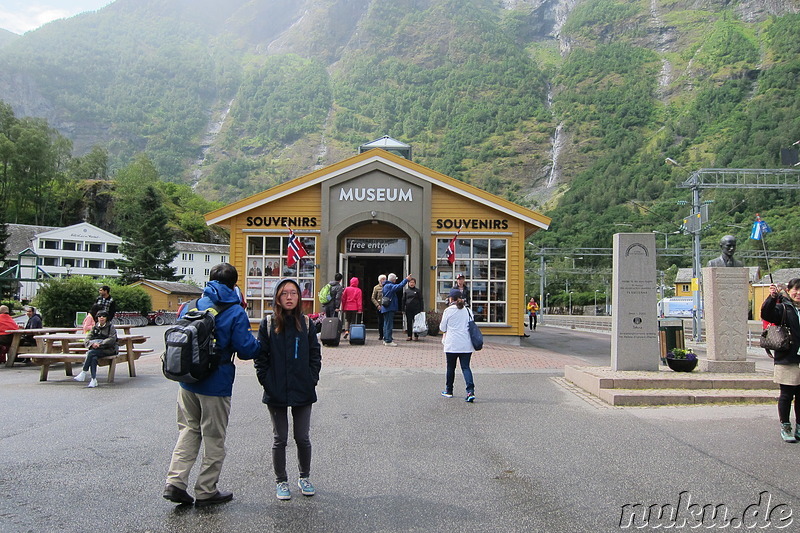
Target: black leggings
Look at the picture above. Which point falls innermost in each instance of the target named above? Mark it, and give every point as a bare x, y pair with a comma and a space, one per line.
789, 393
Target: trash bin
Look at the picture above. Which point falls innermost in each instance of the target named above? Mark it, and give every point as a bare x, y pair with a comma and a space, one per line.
670, 336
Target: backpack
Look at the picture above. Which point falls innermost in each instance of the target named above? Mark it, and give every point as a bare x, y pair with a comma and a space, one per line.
325, 294
190, 355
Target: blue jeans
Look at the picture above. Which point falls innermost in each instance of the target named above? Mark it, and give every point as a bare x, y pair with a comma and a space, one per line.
451, 371
90, 363
388, 324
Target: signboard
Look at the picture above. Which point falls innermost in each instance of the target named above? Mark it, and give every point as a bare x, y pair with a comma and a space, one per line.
377, 246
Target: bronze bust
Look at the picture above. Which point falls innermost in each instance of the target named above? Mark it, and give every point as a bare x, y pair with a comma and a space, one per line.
728, 246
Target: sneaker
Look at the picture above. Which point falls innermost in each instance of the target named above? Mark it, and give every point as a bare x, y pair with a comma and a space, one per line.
470, 397
92, 384
447, 394
282, 491
305, 486
786, 433
82, 376
389, 343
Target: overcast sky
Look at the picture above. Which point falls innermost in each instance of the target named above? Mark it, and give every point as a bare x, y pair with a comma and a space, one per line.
20, 16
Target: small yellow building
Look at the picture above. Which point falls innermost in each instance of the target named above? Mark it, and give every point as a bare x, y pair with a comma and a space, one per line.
168, 295
379, 213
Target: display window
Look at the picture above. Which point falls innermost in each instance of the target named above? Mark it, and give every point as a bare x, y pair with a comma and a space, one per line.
267, 264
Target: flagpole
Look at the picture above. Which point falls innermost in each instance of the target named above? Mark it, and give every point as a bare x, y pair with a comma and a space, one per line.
766, 256
444, 255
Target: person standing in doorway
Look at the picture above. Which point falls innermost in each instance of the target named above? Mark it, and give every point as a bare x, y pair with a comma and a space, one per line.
390, 302
412, 304
457, 344
204, 407
288, 368
377, 294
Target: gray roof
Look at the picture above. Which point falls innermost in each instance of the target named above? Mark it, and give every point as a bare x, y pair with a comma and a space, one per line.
385, 142
21, 236
174, 287
206, 247
781, 276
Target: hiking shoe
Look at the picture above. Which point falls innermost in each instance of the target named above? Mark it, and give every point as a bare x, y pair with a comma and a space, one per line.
470, 397
305, 486
92, 384
447, 394
389, 343
282, 491
786, 433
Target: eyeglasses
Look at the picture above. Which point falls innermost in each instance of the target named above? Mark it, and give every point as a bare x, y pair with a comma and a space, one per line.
290, 293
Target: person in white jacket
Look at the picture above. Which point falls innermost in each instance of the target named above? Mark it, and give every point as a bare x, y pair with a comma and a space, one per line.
457, 344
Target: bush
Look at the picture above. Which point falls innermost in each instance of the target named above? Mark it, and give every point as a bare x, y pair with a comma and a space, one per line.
59, 299
131, 299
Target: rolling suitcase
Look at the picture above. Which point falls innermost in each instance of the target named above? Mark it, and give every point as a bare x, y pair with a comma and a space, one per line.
331, 329
358, 333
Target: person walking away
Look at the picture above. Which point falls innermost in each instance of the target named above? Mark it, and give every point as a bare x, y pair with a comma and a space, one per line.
6, 323
106, 303
390, 291
352, 304
288, 367
412, 304
533, 310
377, 294
786, 368
457, 344
204, 407
101, 342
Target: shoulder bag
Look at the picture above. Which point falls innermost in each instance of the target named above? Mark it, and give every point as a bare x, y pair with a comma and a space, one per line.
475, 334
776, 337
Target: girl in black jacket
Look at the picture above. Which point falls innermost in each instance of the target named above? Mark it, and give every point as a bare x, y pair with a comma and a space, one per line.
288, 369
787, 362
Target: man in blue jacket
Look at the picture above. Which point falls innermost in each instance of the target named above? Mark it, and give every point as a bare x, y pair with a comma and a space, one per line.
391, 291
204, 407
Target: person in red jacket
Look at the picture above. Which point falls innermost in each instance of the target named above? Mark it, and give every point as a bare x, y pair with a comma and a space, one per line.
6, 323
352, 304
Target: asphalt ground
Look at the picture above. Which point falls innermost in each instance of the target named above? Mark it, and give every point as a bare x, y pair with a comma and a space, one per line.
391, 454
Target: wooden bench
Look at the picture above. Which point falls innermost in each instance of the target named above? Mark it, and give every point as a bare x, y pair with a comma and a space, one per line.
46, 359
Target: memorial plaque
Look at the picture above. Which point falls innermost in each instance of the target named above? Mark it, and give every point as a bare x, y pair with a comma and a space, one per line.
725, 299
634, 324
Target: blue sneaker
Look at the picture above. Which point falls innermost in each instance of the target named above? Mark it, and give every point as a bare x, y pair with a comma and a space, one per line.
447, 394
282, 491
786, 433
305, 486
470, 397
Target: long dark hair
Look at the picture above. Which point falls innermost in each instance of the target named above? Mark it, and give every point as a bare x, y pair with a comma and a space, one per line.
280, 315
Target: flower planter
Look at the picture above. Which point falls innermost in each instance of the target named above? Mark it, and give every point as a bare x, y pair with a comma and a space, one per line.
681, 365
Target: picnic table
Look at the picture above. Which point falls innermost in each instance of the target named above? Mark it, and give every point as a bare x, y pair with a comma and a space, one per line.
68, 348
17, 335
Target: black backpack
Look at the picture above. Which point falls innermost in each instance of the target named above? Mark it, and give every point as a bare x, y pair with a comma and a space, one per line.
190, 355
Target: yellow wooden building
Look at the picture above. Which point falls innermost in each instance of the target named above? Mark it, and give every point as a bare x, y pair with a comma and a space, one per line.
168, 295
379, 213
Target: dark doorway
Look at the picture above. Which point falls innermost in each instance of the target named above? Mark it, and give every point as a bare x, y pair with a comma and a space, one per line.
367, 269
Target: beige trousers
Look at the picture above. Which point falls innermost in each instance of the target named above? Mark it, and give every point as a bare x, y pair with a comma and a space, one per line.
201, 420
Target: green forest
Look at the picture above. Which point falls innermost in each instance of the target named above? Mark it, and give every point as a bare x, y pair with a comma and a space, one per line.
479, 90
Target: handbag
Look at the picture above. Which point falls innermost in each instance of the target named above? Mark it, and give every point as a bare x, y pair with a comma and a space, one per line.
776, 337
475, 334
420, 325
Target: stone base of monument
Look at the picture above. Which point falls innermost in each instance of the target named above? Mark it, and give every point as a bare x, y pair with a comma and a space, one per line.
665, 387
730, 367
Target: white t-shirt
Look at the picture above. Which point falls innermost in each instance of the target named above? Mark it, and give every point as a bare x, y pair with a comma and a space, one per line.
454, 324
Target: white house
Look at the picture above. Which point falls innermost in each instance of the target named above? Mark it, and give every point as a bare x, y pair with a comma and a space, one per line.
195, 259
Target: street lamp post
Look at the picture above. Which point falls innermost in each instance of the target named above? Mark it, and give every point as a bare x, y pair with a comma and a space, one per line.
595, 301
570, 303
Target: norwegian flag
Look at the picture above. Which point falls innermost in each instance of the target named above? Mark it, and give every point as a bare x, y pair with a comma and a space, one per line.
451, 248
295, 251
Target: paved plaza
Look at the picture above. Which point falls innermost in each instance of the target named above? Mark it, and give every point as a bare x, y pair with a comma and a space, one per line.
390, 454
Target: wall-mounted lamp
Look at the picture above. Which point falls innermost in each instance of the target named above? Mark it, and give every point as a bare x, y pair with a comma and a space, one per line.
433, 267
374, 214
317, 267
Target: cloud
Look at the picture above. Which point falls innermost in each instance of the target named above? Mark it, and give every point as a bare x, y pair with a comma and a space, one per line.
30, 18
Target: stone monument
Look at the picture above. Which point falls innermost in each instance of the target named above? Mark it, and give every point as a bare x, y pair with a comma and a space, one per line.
634, 324
725, 309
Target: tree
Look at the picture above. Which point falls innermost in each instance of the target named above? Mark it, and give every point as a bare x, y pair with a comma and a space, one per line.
60, 298
148, 244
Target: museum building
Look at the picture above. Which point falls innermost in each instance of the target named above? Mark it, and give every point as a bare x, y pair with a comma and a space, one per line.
379, 213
